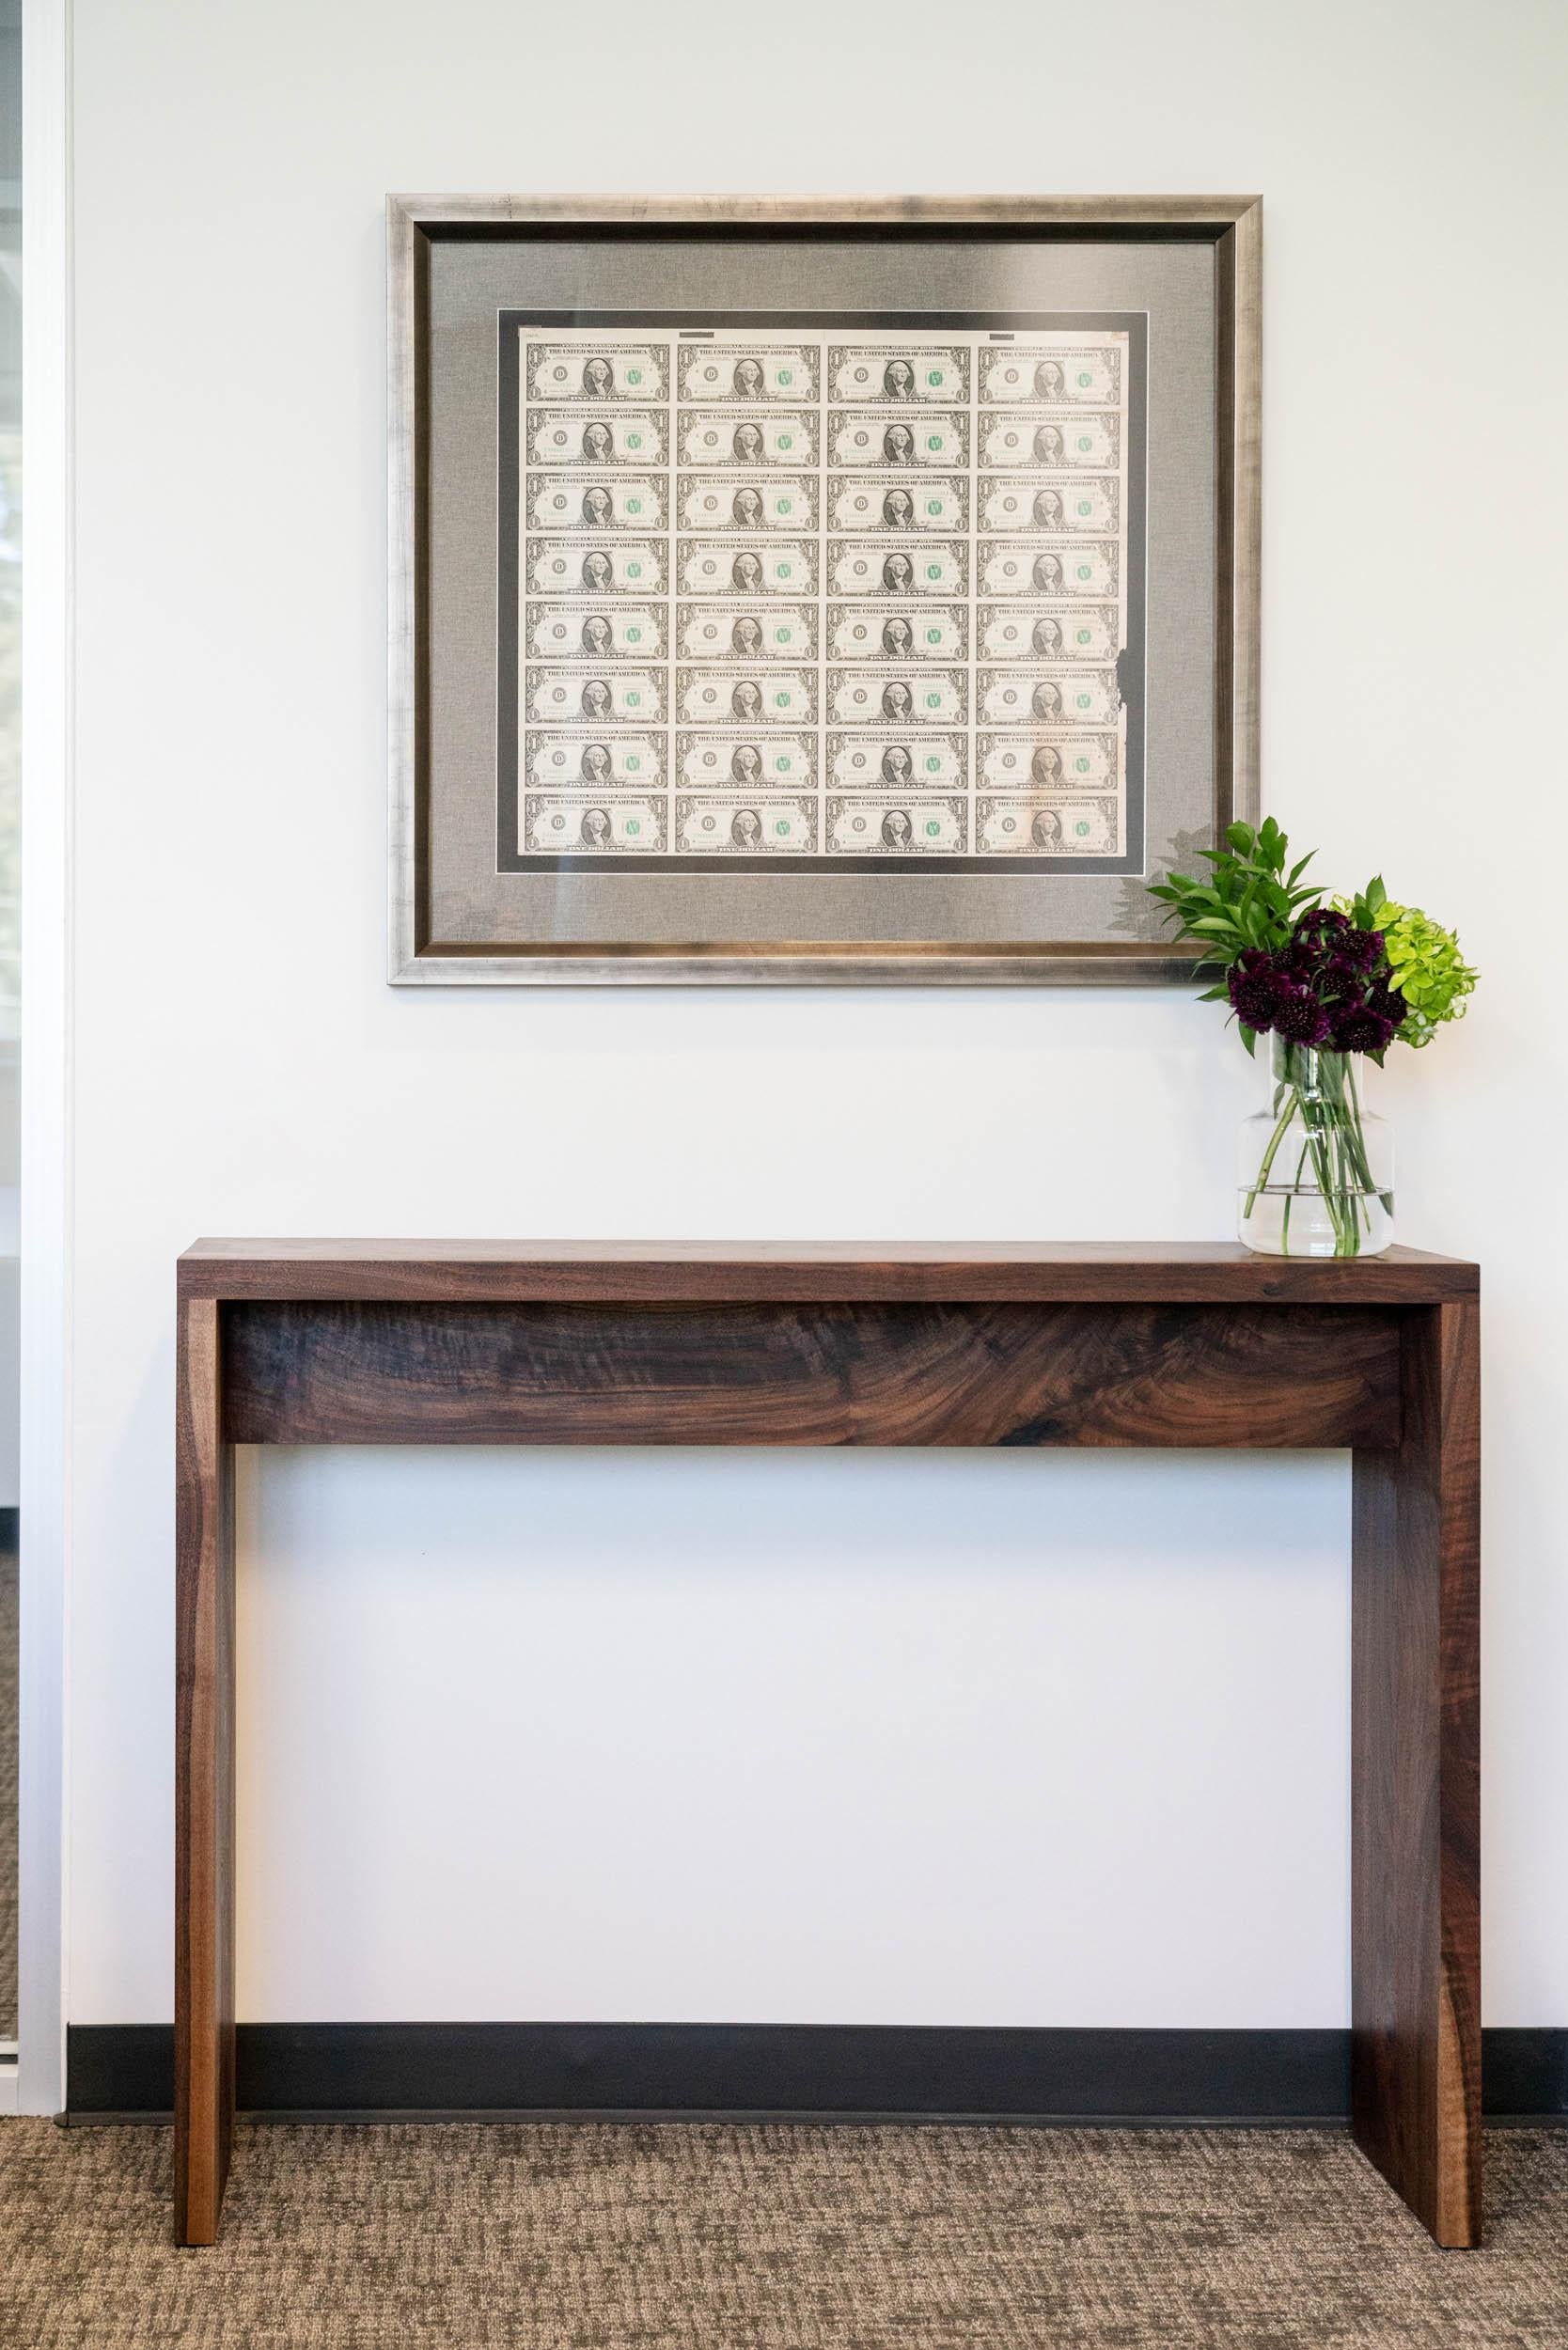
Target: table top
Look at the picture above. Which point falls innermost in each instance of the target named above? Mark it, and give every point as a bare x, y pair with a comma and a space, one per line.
647, 1272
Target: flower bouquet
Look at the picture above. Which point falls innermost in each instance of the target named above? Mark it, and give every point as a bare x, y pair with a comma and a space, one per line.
1331, 982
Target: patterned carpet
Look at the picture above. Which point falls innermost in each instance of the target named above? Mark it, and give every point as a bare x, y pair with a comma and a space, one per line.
590, 2237
8, 1794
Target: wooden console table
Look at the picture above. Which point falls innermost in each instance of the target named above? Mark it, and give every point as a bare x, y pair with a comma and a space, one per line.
555, 1343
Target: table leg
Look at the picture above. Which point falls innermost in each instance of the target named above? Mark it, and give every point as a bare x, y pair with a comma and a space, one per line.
204, 1781
1416, 1841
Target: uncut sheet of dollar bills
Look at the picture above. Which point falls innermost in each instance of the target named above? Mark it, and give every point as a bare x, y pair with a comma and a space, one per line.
790, 596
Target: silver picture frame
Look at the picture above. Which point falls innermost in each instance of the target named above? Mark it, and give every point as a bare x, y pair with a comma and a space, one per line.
418, 956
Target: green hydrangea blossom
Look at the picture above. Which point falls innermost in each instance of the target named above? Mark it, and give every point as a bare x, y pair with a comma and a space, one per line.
1427, 967
1424, 962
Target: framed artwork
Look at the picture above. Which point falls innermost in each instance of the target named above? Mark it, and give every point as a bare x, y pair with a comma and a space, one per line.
794, 591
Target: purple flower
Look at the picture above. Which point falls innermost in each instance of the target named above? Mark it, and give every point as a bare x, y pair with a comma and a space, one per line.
1364, 948
1319, 924
1388, 1004
1254, 987
1327, 985
1298, 960
1359, 1029
1299, 1018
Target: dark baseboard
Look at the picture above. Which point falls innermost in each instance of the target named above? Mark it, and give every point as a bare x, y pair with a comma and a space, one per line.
808, 2071
10, 1526
1525, 2072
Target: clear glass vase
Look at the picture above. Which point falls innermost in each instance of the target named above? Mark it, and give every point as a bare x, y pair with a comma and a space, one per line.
1315, 1176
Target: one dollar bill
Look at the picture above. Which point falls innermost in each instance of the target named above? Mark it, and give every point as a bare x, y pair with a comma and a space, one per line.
1023, 502
581, 824
911, 632
896, 373
754, 762
729, 371
596, 567
719, 698
1036, 764
781, 631
1022, 631
732, 824
593, 762
910, 762
903, 825
880, 503
895, 697
865, 437
1052, 443
711, 502
620, 631
567, 437
1011, 567
620, 502
1023, 827
1086, 375
784, 437
1016, 697
585, 371
562, 698
706, 567
864, 567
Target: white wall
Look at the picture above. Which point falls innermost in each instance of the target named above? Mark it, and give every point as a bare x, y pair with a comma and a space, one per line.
1057, 1740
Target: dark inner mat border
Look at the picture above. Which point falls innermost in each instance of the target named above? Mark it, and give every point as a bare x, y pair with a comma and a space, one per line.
1129, 664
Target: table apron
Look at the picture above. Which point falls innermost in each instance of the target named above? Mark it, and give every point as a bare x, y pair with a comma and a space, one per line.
1255, 1376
